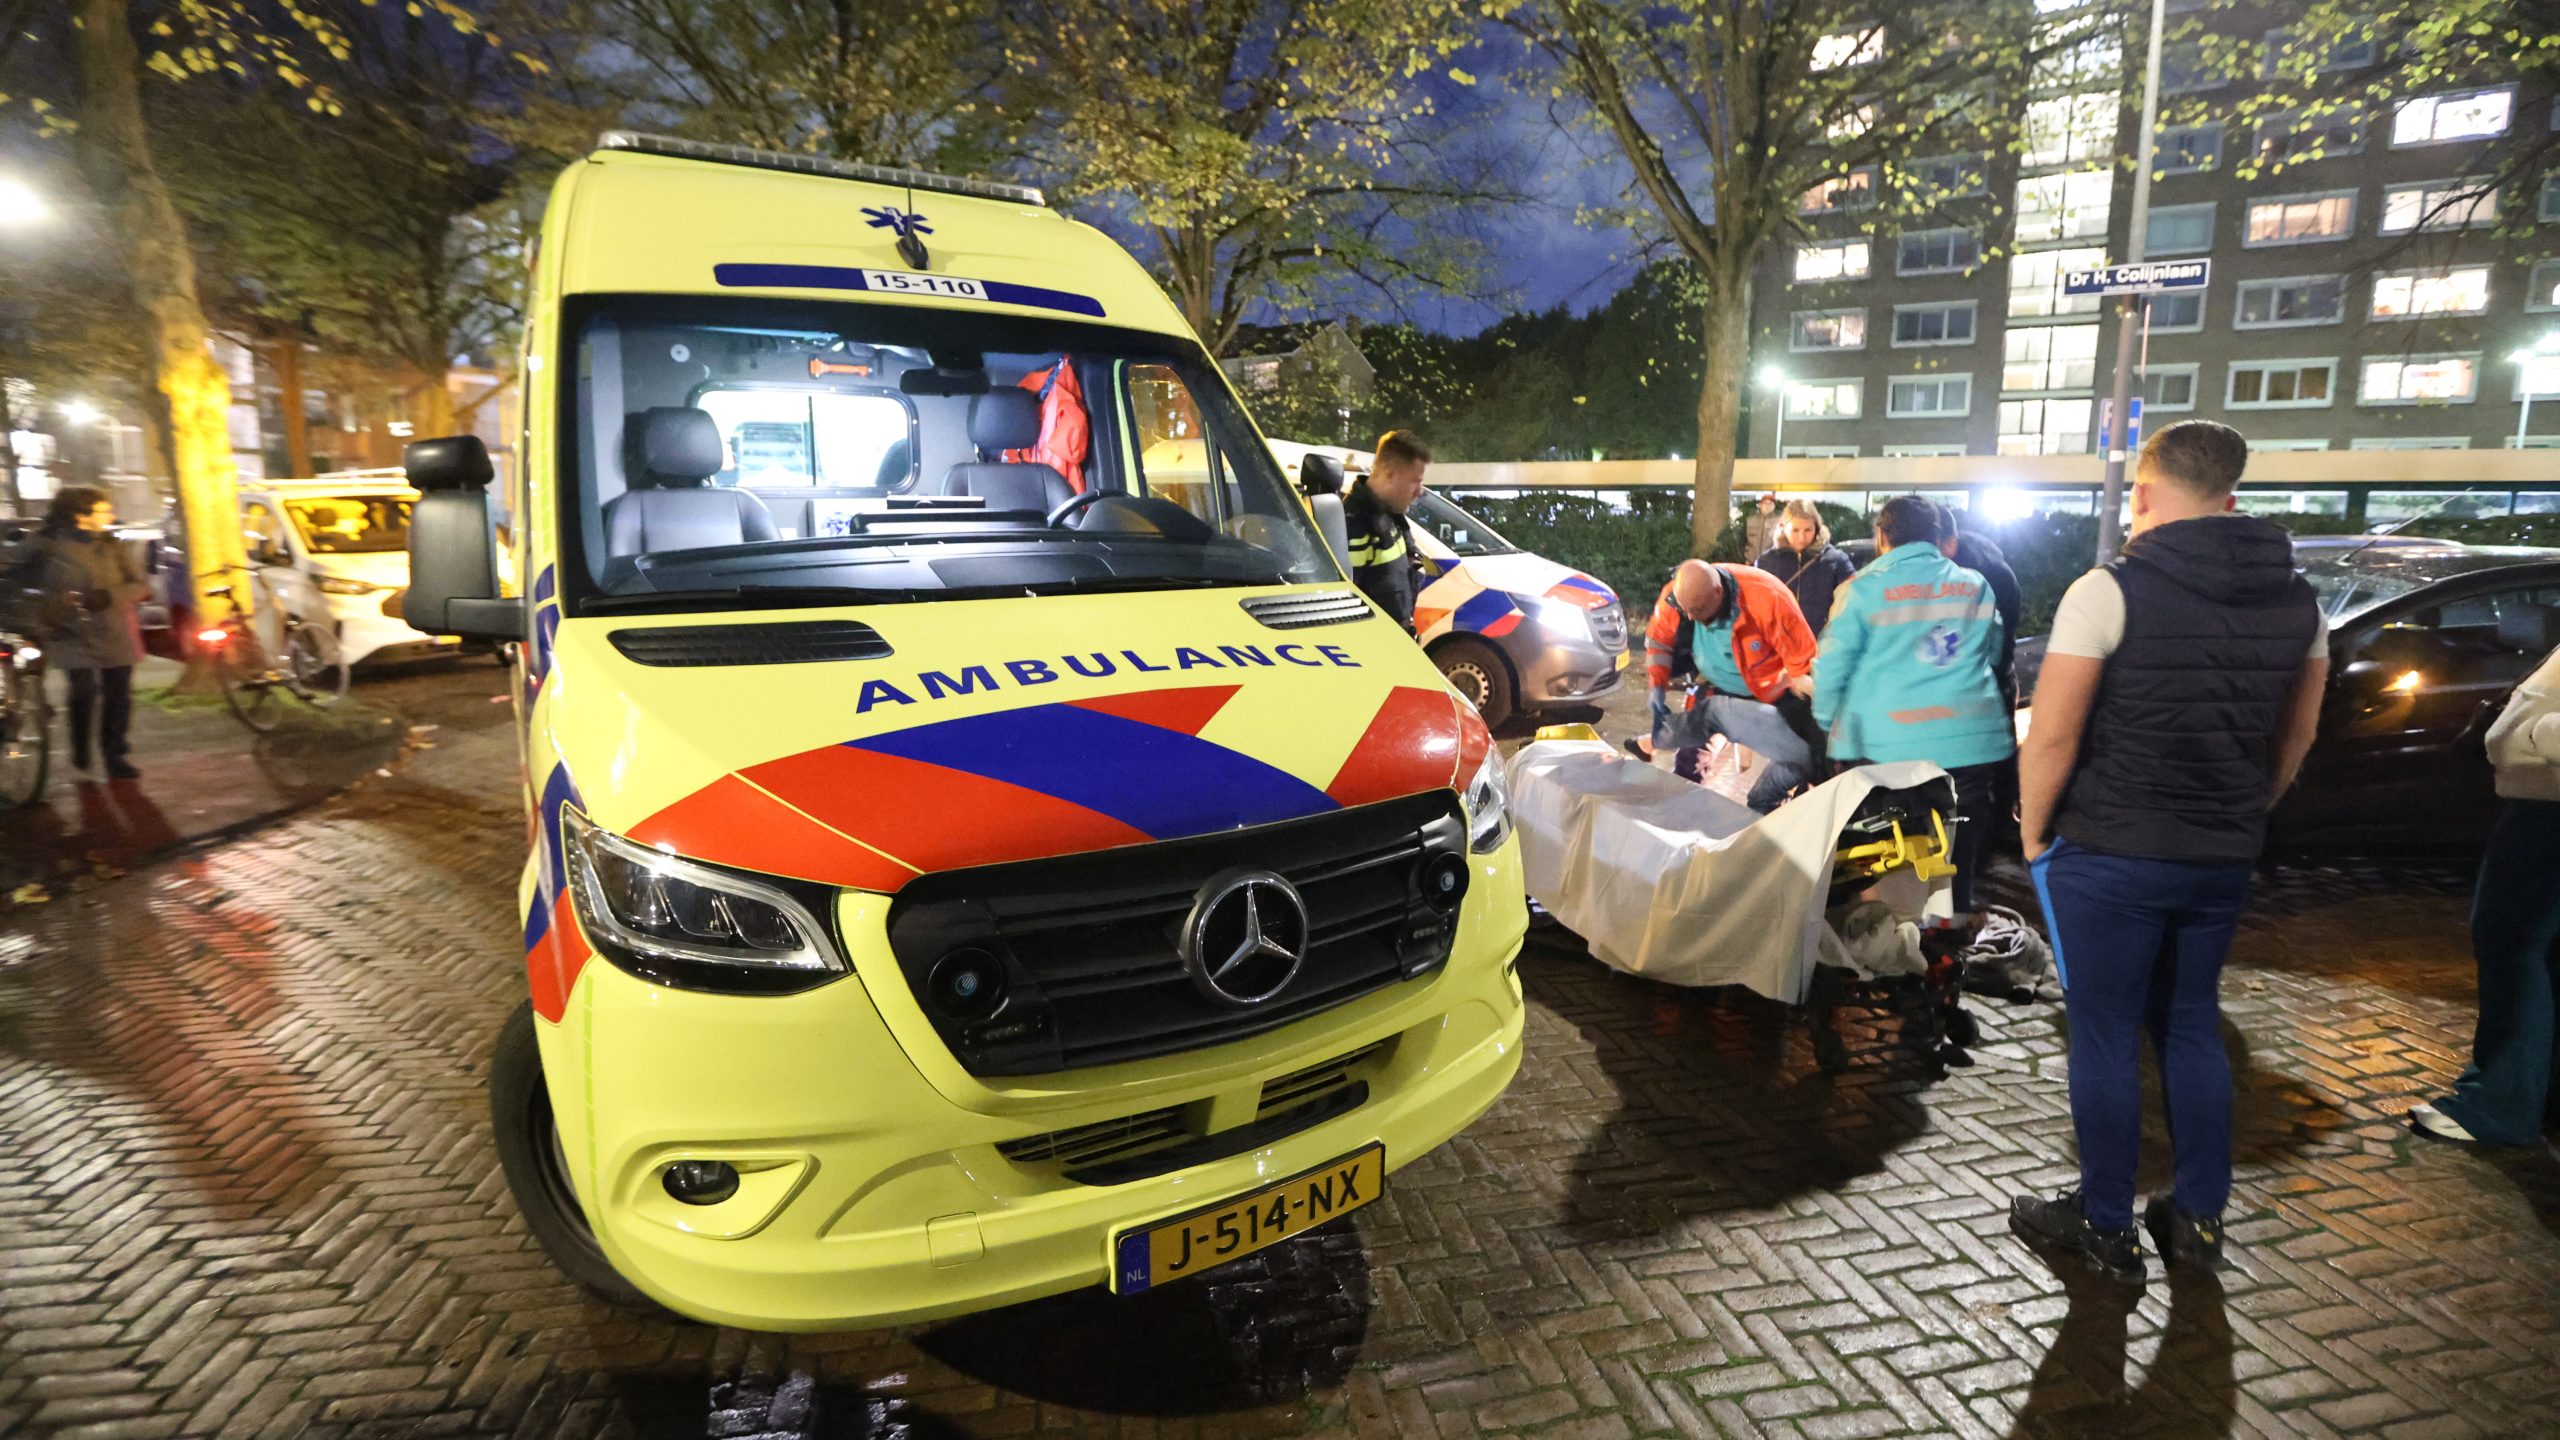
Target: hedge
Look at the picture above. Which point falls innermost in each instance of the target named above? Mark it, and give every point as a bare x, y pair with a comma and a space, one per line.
1633, 551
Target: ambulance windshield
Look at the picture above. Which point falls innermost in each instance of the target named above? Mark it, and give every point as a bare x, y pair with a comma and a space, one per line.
733, 452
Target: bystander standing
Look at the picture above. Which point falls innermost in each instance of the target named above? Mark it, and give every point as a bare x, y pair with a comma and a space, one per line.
2180, 690
91, 584
1805, 558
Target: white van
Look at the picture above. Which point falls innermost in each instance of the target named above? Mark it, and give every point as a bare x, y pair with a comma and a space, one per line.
338, 546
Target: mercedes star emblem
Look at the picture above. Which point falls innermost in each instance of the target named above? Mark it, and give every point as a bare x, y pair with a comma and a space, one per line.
1245, 938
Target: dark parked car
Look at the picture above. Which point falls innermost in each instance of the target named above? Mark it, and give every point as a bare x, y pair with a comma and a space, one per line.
2427, 639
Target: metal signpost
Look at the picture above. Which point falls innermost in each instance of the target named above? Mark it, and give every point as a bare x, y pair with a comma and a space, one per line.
2111, 500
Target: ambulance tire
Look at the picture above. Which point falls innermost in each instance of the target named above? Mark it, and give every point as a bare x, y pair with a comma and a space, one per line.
529, 1154
1479, 672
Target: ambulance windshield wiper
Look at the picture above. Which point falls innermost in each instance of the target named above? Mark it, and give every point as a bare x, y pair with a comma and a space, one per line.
752, 597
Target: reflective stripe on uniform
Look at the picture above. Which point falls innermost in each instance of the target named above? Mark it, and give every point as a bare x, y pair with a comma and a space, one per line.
1370, 550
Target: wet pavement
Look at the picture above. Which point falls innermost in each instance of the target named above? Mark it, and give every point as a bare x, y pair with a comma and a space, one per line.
252, 1193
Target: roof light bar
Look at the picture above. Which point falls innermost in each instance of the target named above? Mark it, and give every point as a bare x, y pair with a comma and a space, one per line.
669, 145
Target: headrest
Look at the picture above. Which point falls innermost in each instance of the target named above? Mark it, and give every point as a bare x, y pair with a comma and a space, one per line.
672, 445
2530, 629
1007, 419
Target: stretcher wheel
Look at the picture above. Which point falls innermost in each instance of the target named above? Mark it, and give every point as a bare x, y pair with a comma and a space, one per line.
1961, 1028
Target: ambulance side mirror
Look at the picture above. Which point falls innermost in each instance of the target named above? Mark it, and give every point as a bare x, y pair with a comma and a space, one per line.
1327, 510
453, 559
1320, 475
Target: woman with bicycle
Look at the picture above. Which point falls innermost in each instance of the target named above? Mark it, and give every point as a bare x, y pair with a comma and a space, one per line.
91, 583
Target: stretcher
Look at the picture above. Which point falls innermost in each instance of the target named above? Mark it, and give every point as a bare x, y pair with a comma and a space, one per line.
1671, 881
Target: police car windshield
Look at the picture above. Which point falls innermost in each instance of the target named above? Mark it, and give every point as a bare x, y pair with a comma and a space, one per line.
1465, 535
762, 448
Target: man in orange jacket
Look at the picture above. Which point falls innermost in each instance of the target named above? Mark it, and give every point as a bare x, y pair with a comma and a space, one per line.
1738, 631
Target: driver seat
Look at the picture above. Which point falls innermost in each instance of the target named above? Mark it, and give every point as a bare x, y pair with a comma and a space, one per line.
1001, 420
669, 451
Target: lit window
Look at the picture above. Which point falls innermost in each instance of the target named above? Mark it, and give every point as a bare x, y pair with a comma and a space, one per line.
1851, 125
2070, 130
2280, 384
2446, 205
2035, 282
2050, 357
1937, 252
1853, 191
1831, 260
2417, 379
2539, 374
1928, 397
1945, 323
2291, 301
2443, 119
2182, 149
2289, 136
2409, 294
1949, 177
2178, 230
2071, 206
1833, 51
2173, 313
1824, 399
2169, 387
1828, 330
2045, 427
2542, 287
2300, 219
1923, 452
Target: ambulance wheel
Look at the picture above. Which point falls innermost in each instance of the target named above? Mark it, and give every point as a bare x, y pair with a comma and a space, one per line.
1476, 670
538, 1174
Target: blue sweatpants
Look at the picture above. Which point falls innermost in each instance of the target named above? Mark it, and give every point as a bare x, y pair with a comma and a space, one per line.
2139, 945
2506, 1095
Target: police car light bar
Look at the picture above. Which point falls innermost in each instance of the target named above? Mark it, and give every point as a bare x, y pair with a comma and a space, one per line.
669, 145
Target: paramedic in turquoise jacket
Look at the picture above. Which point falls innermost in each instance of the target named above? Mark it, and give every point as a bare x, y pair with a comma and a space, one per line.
1905, 671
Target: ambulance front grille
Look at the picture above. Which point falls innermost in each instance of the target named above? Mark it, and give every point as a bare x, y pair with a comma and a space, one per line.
1087, 944
1297, 612
1157, 1142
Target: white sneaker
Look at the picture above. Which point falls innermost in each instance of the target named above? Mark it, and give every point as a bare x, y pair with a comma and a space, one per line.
2427, 1120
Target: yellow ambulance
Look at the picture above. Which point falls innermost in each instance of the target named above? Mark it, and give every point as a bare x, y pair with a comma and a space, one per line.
963, 863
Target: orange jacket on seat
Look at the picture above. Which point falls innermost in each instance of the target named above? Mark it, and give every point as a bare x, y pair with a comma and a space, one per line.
1770, 639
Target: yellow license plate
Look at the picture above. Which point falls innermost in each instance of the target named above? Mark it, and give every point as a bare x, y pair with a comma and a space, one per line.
1233, 1229
1624, 656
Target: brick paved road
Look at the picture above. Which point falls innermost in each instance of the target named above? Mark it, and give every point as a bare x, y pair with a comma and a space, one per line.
250, 1192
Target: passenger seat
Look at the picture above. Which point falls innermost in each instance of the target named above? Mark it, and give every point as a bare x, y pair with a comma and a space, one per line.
1001, 420
669, 452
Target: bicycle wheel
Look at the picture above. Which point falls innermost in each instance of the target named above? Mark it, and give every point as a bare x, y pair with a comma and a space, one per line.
26, 740
250, 694
316, 668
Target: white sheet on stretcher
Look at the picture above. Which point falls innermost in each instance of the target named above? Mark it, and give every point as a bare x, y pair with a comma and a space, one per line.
1666, 879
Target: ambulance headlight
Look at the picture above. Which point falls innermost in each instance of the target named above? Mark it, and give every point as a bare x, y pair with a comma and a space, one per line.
1565, 618
681, 922
1488, 802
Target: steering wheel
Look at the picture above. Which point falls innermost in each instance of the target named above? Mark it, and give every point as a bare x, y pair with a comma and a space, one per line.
1074, 503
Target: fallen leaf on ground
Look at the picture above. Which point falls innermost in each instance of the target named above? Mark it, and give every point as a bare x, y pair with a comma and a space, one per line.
29, 894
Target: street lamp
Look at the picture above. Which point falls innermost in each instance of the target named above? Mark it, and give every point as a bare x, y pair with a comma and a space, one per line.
2525, 359
20, 205
1774, 379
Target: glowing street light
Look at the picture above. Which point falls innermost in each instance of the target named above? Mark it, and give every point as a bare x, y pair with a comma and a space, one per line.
20, 206
81, 413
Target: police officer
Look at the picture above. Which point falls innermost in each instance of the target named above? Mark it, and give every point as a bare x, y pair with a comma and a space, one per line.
1383, 564
1906, 671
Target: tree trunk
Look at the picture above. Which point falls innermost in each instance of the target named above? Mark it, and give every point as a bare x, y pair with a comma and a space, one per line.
431, 407
1727, 325
8, 456
115, 156
287, 358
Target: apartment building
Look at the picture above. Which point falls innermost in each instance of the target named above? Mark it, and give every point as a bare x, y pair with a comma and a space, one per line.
2372, 287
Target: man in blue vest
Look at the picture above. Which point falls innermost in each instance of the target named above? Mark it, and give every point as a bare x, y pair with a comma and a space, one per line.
1906, 671
2181, 688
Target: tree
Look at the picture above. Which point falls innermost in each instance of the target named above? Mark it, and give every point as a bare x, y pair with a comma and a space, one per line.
1253, 150
1728, 112
886, 82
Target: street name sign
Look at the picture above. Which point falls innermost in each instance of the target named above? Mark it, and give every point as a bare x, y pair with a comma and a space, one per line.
2146, 278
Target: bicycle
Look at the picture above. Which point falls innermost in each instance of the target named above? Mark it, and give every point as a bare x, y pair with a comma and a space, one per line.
26, 728
313, 671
